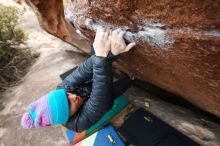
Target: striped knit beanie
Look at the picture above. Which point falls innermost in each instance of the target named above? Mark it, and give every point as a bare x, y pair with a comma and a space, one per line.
50, 109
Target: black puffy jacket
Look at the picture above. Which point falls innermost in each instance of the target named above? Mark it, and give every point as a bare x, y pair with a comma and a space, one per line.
97, 69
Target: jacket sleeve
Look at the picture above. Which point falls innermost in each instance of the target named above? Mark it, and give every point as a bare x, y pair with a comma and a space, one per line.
100, 100
80, 75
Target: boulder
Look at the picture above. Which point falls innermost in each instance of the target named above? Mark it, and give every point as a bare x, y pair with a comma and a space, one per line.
178, 42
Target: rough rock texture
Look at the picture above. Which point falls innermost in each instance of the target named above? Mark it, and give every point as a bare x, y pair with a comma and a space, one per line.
178, 41
51, 17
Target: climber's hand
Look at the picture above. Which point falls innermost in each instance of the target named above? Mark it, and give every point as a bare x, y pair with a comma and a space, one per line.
102, 43
118, 45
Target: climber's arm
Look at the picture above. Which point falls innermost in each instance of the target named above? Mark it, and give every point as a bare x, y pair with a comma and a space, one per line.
80, 75
101, 99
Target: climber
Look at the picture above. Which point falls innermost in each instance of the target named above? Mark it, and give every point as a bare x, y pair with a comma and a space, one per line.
85, 95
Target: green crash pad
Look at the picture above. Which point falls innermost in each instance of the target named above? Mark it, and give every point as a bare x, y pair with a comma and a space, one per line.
119, 104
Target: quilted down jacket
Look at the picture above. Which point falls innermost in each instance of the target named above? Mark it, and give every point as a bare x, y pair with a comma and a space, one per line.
99, 70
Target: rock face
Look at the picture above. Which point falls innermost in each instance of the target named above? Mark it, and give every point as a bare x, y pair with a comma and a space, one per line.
51, 18
178, 41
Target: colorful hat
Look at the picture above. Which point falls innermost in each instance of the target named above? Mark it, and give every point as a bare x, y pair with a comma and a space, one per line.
50, 109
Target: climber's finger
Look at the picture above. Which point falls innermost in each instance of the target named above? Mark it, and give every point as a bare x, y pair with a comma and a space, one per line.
110, 34
131, 45
121, 34
100, 32
116, 32
106, 34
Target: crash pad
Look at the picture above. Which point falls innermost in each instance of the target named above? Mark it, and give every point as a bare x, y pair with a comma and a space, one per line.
73, 137
104, 137
142, 128
65, 74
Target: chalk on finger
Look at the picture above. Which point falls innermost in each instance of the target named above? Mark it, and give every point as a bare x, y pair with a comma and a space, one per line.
130, 46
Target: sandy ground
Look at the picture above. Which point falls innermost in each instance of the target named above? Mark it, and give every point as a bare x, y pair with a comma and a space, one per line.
57, 57
42, 77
